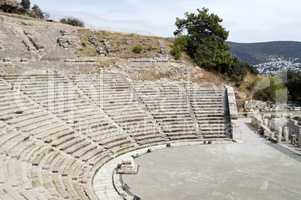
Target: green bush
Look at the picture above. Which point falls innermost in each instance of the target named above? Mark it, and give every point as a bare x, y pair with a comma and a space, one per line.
25, 4
137, 49
36, 12
72, 21
270, 88
180, 45
202, 37
176, 52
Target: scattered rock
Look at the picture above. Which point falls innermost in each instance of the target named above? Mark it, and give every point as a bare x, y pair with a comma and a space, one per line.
64, 32
103, 47
254, 105
64, 42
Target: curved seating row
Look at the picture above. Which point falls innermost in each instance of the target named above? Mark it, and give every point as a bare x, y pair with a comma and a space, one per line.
56, 131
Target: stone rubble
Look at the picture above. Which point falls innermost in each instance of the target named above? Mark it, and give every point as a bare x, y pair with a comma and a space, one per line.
281, 128
103, 47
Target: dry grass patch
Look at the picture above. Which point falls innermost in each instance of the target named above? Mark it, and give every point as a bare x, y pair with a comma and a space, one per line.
122, 44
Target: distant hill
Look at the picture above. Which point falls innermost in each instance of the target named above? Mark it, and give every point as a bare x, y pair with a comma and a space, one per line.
269, 56
256, 53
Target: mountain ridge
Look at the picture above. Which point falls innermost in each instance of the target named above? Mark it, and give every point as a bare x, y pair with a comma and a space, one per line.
259, 52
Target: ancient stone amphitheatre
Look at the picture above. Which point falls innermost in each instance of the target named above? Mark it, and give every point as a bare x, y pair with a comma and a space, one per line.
75, 103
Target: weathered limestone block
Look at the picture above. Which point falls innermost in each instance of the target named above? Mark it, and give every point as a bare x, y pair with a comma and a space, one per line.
277, 123
299, 139
279, 136
232, 102
293, 139
266, 121
272, 134
253, 105
286, 134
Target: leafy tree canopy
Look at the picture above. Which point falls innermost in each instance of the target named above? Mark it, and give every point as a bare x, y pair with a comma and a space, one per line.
294, 85
37, 12
25, 4
72, 21
271, 88
206, 38
203, 38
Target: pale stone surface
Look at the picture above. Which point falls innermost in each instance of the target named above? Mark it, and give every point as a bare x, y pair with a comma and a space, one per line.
254, 105
248, 171
232, 102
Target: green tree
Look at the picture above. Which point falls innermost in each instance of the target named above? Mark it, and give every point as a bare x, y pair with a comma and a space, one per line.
72, 21
270, 88
206, 38
178, 47
25, 4
203, 38
37, 12
294, 84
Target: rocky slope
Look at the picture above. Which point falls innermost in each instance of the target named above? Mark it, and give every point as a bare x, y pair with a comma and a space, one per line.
28, 45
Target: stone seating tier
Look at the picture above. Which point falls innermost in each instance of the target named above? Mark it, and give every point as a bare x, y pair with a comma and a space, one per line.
56, 131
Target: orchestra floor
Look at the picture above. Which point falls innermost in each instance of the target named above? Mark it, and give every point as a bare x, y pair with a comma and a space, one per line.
253, 169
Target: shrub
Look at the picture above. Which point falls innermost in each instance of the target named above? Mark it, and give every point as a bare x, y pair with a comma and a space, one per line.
9, 6
176, 52
72, 21
37, 12
137, 49
25, 4
178, 47
270, 88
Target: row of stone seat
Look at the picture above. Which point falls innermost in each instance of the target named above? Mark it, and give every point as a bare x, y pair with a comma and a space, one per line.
31, 165
170, 107
113, 94
208, 107
67, 127
33, 122
67, 104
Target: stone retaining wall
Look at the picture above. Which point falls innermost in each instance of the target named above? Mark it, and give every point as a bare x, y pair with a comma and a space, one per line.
279, 129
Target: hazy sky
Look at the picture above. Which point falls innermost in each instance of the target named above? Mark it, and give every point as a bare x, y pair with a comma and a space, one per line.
247, 20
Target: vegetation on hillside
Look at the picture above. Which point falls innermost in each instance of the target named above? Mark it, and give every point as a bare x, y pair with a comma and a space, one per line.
23, 8
270, 88
36, 12
179, 46
256, 53
122, 45
293, 83
137, 49
203, 38
72, 21
26, 4
279, 88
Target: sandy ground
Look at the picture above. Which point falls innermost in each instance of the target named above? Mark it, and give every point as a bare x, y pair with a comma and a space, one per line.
252, 170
